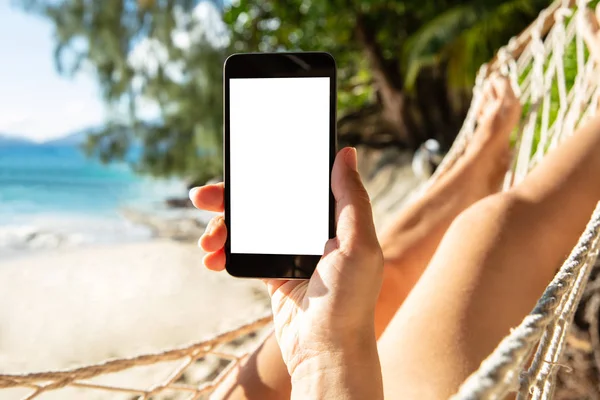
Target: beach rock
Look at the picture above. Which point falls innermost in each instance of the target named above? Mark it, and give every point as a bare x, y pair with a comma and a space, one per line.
26, 238
179, 226
182, 202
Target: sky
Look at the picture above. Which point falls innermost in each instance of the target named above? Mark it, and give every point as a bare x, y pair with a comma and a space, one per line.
35, 102
39, 104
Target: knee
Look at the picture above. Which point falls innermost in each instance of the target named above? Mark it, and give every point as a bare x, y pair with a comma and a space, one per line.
492, 210
492, 223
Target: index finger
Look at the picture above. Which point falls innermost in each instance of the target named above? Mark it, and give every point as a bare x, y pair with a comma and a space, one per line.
209, 197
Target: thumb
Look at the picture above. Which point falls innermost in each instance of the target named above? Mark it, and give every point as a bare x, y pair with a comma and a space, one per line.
353, 208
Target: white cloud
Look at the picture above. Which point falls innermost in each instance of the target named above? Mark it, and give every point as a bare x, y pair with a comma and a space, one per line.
75, 108
34, 101
46, 123
13, 122
38, 104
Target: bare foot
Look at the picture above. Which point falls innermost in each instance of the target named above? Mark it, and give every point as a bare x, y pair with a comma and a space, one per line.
591, 31
488, 153
489, 148
475, 175
412, 238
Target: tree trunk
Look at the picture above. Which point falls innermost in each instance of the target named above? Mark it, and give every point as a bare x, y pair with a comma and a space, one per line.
441, 119
432, 113
409, 120
367, 127
386, 81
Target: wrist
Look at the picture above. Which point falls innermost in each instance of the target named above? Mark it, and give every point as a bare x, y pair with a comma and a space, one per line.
343, 369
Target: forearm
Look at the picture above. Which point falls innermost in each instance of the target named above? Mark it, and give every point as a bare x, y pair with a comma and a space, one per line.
263, 376
340, 375
411, 241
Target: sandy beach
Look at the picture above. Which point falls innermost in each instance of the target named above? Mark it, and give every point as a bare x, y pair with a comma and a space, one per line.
72, 307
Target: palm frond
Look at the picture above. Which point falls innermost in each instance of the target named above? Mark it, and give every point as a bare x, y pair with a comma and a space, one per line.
427, 42
492, 29
465, 36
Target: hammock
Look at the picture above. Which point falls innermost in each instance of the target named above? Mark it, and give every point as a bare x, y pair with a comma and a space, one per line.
527, 360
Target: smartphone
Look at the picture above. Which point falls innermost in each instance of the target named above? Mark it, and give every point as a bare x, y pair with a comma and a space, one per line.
279, 148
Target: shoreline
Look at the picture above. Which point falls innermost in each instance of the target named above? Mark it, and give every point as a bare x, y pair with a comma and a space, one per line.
69, 307
25, 235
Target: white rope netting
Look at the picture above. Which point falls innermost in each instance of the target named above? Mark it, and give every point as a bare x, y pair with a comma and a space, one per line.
556, 78
557, 81
169, 386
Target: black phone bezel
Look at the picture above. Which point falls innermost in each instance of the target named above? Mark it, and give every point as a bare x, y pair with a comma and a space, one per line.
276, 65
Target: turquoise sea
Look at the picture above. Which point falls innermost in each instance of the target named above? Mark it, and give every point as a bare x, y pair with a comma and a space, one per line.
53, 196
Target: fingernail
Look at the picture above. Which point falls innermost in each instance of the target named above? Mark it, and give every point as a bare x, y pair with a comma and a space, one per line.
351, 159
193, 192
209, 228
214, 223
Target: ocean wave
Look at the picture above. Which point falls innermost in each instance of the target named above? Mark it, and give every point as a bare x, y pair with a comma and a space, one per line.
50, 232
34, 238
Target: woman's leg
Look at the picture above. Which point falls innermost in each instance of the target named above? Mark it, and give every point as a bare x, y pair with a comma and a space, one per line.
491, 267
263, 376
408, 243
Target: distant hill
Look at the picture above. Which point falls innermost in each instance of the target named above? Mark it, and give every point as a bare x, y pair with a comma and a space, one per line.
74, 139
9, 140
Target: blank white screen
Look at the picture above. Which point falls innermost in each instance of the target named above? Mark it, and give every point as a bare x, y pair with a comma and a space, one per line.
279, 165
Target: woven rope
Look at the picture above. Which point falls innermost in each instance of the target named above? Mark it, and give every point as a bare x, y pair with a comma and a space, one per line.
535, 69
46, 381
535, 63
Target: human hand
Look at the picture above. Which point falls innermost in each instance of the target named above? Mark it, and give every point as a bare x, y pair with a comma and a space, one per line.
331, 314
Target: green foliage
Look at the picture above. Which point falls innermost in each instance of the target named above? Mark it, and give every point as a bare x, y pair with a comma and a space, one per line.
183, 136
571, 70
412, 35
297, 25
466, 35
405, 42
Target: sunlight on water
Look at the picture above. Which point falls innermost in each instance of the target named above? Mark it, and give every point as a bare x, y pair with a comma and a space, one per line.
53, 196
